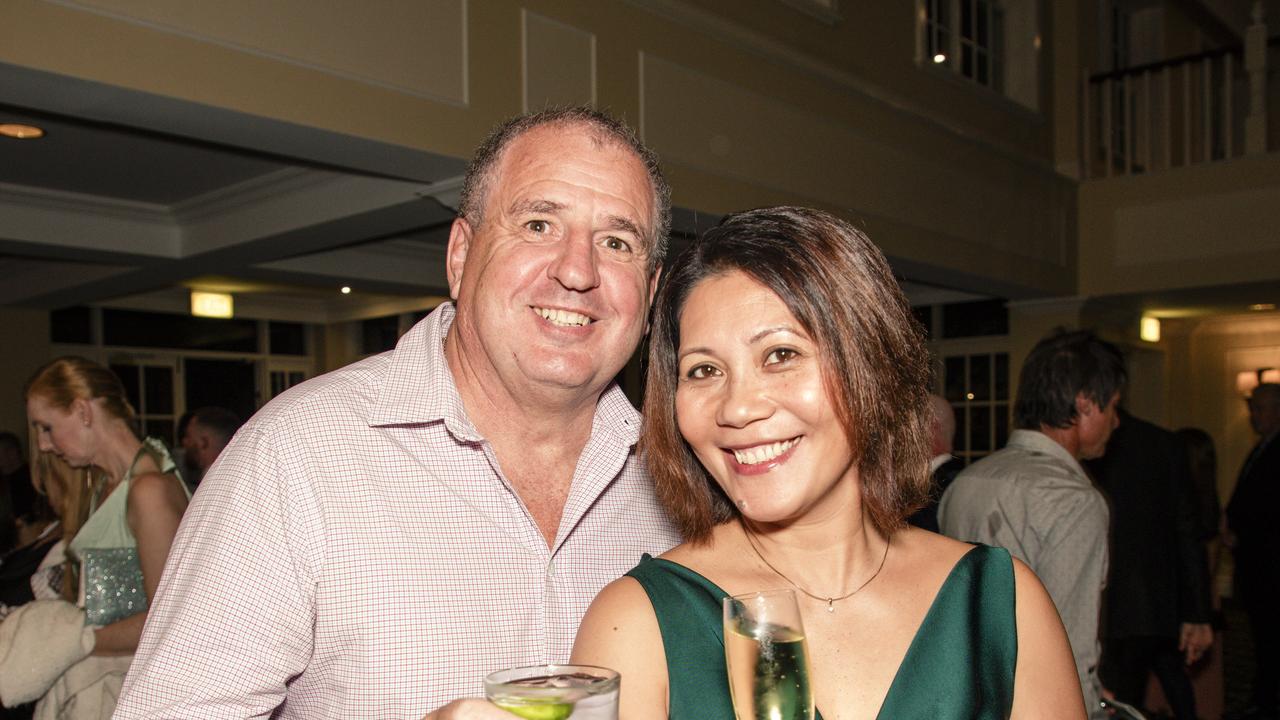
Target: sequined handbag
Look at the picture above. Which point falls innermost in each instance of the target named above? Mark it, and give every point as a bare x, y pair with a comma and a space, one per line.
113, 588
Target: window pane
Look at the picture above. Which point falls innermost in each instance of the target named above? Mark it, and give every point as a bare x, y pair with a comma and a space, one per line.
380, 334
974, 319
159, 390
983, 21
287, 338
296, 377
133, 328
1002, 376
962, 431
953, 378
277, 382
982, 76
1002, 425
71, 325
966, 19
980, 429
161, 428
980, 377
966, 60
128, 375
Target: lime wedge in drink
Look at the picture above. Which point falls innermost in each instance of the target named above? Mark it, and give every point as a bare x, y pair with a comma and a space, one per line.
538, 710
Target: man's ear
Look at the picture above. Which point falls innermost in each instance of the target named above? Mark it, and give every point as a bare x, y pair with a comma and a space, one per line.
460, 236
1085, 406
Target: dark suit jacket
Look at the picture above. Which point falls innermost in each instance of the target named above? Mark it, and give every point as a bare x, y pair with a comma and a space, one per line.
1254, 516
927, 516
1159, 571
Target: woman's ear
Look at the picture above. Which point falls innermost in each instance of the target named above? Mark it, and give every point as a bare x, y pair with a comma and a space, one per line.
83, 409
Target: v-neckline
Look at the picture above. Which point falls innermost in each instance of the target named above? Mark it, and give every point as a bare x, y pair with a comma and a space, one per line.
912, 648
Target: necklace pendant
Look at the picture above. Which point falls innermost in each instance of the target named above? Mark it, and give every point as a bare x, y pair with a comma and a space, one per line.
831, 605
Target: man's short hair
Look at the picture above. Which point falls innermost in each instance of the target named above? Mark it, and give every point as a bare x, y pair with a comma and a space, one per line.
220, 421
1061, 367
479, 175
1266, 394
11, 440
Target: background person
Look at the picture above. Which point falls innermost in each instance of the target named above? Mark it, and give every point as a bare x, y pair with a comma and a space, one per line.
1034, 498
399, 528
1253, 522
135, 500
786, 426
1157, 605
16, 496
205, 435
943, 466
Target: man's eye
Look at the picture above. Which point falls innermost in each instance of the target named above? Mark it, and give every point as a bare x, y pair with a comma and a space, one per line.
538, 226
615, 243
780, 355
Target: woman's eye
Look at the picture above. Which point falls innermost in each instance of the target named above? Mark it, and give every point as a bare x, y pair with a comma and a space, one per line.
538, 226
698, 372
780, 355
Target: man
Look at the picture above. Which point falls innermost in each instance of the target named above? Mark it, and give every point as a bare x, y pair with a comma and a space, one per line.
943, 466
1033, 498
1254, 537
375, 541
205, 435
17, 496
1157, 604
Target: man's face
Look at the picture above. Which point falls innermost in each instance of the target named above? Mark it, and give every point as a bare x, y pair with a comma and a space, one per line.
198, 447
553, 286
1264, 413
1094, 425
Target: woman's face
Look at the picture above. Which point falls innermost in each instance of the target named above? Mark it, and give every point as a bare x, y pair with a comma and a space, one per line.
751, 403
61, 432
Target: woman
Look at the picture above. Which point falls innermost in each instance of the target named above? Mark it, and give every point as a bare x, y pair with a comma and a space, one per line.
786, 425
134, 502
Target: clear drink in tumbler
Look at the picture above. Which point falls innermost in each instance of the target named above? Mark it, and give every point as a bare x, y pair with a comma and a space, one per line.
555, 692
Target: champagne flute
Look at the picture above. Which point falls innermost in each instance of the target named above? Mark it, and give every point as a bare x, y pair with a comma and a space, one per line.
767, 657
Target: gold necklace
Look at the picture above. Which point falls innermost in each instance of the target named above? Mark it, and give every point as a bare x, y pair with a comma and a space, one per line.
831, 601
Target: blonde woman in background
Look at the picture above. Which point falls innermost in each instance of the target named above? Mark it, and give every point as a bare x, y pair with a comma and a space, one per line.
132, 502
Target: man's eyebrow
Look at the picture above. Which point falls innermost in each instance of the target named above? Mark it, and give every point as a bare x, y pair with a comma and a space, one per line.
534, 206
623, 224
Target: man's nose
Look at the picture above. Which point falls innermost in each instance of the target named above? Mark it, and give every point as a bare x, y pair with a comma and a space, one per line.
575, 265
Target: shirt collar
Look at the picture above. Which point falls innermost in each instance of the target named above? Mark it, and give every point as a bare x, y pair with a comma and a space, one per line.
419, 388
1037, 442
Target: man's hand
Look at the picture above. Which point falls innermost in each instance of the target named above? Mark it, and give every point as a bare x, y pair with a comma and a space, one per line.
1194, 640
470, 709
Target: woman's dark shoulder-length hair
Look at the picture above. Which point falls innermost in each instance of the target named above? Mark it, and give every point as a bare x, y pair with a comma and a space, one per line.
875, 365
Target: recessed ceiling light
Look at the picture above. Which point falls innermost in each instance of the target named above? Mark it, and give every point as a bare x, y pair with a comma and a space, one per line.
939, 58
21, 132
346, 290
1263, 306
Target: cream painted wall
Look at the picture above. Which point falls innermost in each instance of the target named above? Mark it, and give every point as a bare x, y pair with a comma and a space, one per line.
26, 344
1200, 225
1205, 357
749, 102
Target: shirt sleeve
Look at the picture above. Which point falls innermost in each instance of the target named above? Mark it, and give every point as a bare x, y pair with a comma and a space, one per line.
233, 617
1072, 564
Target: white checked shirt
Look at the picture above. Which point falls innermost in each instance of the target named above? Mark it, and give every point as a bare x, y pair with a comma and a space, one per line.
357, 552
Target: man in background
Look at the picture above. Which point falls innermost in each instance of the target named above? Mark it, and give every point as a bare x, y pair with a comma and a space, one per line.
17, 496
944, 467
1033, 497
207, 432
1253, 524
1157, 603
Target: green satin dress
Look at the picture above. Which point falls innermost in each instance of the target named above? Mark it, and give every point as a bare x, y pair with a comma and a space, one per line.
959, 665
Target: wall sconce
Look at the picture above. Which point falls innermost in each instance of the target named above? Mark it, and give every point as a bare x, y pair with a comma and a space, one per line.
1149, 329
1247, 380
210, 304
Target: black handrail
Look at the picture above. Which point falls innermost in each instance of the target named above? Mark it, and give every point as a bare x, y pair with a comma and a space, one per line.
1237, 50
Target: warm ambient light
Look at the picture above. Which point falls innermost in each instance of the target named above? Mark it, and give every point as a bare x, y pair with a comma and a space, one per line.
1149, 330
209, 304
1247, 380
346, 290
939, 58
1263, 306
21, 132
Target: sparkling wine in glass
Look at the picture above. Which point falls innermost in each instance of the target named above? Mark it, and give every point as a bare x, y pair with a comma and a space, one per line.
767, 657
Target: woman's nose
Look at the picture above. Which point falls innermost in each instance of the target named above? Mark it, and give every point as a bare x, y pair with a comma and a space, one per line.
745, 401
